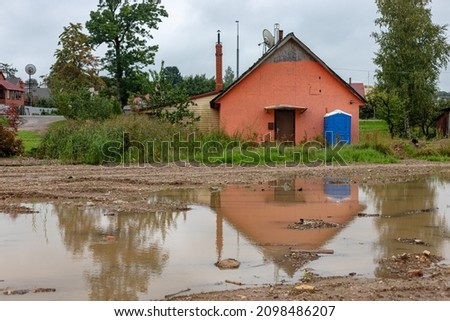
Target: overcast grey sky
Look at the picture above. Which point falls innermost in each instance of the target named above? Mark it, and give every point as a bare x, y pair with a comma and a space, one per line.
338, 31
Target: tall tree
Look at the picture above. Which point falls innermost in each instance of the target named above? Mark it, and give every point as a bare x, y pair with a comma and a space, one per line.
8, 70
412, 51
173, 75
125, 27
229, 77
74, 78
75, 65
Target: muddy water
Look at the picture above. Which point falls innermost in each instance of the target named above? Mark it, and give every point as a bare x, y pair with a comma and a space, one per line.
87, 253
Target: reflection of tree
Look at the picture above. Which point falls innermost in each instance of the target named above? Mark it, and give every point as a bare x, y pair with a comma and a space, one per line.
126, 248
401, 206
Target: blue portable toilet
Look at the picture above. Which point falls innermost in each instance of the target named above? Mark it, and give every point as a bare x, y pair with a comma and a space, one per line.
338, 127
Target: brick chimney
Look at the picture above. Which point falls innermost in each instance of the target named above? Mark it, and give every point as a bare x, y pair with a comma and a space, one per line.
280, 35
219, 54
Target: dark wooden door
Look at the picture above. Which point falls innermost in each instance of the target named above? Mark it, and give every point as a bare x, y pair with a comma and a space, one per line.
285, 125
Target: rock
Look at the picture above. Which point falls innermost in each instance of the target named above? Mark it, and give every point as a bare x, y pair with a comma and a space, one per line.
90, 204
404, 256
304, 224
304, 288
43, 290
415, 273
426, 253
228, 264
368, 215
15, 292
110, 238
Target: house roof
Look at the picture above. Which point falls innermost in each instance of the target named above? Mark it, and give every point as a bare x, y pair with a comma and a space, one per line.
359, 87
211, 93
10, 86
14, 80
270, 52
41, 92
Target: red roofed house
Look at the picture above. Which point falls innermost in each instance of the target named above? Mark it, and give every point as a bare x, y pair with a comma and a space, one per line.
10, 93
285, 95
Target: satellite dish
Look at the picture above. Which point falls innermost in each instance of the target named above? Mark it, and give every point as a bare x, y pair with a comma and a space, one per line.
30, 69
269, 40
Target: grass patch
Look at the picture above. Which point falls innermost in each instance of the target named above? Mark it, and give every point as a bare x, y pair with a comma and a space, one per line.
373, 126
366, 154
30, 140
138, 139
4, 121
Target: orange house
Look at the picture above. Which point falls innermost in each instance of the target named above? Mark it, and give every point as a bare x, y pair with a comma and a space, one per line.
10, 93
285, 96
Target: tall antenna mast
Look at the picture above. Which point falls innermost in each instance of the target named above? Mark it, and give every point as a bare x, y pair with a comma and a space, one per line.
237, 50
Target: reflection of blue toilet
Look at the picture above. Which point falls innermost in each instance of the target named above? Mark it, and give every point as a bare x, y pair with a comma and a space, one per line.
337, 189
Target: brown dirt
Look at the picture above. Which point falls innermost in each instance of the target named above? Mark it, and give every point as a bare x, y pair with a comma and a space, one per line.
128, 189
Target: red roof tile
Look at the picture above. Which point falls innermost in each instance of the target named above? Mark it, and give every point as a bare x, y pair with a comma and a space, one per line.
9, 86
359, 88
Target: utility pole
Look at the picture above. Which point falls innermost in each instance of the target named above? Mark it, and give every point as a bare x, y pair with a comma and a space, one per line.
237, 50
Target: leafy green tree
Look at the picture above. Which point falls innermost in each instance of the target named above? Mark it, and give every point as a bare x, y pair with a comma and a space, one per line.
412, 51
198, 84
173, 75
125, 27
74, 79
167, 102
229, 77
8, 70
389, 107
75, 66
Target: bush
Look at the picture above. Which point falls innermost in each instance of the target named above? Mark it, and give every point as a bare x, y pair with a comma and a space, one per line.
81, 104
10, 145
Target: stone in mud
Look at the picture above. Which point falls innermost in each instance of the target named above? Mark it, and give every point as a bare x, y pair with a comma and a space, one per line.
228, 264
306, 224
415, 273
15, 292
43, 290
305, 288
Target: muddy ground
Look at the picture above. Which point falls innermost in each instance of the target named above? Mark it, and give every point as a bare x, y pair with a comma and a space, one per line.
122, 189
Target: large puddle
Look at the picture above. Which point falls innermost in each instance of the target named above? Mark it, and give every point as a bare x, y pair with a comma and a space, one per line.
86, 253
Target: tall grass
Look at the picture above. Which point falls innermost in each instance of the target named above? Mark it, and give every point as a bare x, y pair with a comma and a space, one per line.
139, 139
120, 139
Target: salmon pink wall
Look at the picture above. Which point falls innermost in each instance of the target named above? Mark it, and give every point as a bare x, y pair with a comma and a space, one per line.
300, 83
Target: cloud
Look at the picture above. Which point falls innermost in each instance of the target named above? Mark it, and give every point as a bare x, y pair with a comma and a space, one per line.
337, 31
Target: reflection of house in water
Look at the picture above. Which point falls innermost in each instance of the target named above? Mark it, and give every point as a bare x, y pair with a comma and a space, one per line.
262, 214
